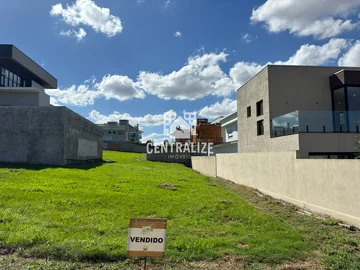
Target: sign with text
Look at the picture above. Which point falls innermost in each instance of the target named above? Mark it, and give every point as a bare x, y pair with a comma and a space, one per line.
147, 237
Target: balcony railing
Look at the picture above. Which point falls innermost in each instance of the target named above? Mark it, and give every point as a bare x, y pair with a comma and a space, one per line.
316, 122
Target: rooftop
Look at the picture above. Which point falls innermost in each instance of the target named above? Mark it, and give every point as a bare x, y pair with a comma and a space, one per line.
9, 54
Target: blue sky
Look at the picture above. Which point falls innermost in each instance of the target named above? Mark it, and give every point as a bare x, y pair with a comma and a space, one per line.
137, 59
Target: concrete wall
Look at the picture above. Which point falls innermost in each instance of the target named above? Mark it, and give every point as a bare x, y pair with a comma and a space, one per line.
31, 135
180, 158
15, 98
327, 186
250, 93
46, 135
44, 99
327, 143
125, 147
205, 165
300, 88
225, 148
82, 138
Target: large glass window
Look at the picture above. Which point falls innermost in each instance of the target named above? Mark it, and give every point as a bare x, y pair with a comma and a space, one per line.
10, 79
353, 98
340, 121
353, 94
339, 100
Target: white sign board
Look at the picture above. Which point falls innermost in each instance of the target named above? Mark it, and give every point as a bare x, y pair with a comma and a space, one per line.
147, 238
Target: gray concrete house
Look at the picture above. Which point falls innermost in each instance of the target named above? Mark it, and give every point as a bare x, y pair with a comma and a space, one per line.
33, 131
312, 110
229, 133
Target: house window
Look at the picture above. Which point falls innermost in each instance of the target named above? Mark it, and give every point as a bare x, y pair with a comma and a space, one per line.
9, 79
249, 111
260, 127
259, 108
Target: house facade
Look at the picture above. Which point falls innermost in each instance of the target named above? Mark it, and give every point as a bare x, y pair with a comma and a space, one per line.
312, 110
229, 134
208, 132
22, 81
120, 132
32, 131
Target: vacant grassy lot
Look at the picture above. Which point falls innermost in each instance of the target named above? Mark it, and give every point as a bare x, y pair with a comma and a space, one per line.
82, 214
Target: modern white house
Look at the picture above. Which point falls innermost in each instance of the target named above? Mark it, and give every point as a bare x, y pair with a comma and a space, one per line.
119, 132
229, 134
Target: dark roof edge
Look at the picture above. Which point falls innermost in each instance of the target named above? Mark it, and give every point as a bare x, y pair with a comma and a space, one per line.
28, 63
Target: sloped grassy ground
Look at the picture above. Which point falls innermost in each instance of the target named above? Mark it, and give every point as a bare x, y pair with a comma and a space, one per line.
82, 213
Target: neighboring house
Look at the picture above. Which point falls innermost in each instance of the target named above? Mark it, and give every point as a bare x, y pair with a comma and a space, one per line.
229, 134
33, 131
119, 132
208, 132
22, 81
313, 110
181, 130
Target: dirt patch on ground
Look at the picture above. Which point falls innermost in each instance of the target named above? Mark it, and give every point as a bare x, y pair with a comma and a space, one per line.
167, 186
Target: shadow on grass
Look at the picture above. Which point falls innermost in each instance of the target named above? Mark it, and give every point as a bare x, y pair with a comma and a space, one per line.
86, 165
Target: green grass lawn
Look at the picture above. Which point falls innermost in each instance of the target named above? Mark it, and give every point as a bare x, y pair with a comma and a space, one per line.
82, 214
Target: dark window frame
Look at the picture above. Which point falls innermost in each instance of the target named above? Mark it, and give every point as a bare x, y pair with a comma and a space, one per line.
248, 111
260, 127
260, 108
11, 79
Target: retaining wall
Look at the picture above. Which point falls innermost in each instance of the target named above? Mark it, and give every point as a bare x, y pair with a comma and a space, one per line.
327, 186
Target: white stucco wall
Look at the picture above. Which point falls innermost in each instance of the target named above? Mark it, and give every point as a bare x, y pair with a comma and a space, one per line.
327, 186
205, 165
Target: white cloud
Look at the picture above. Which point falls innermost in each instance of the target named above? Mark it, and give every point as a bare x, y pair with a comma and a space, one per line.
226, 107
327, 28
72, 33
80, 95
119, 87
54, 102
320, 18
86, 12
111, 87
148, 120
200, 77
317, 55
177, 34
243, 71
352, 57
306, 55
246, 38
